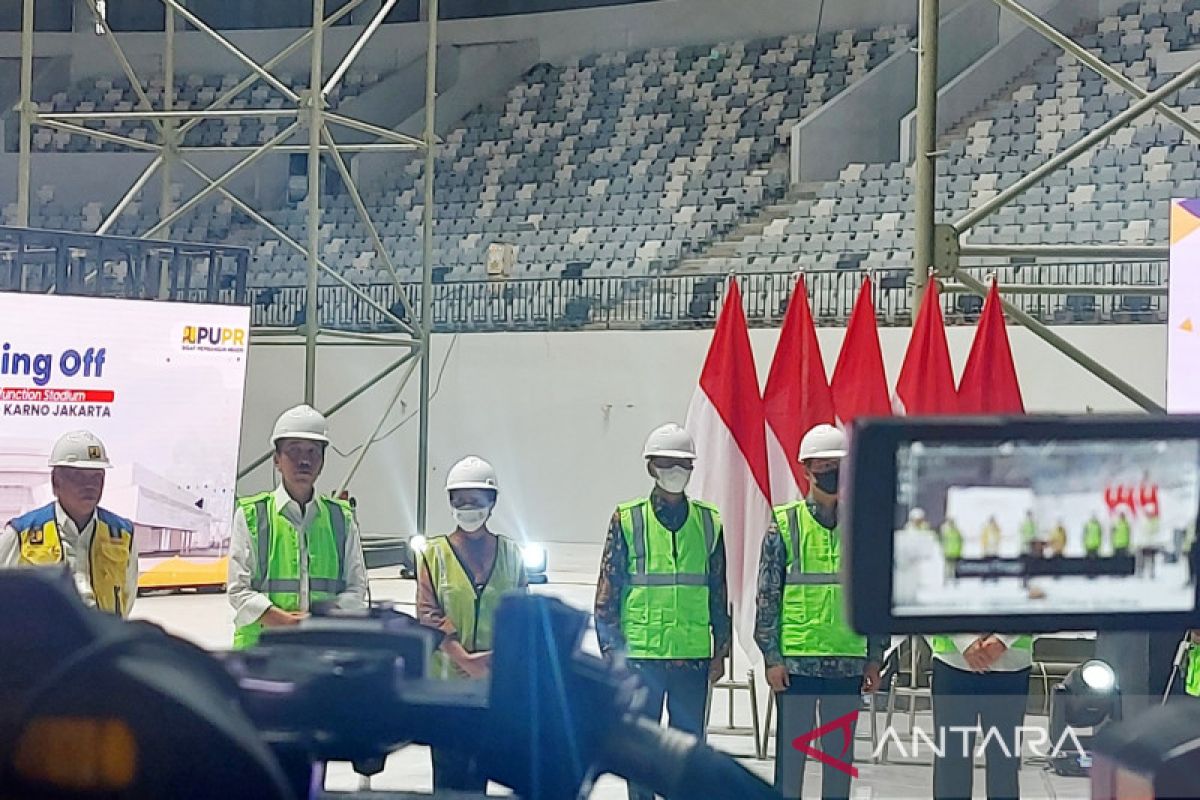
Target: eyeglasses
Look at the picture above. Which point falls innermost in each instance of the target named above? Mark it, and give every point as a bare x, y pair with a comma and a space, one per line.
660, 462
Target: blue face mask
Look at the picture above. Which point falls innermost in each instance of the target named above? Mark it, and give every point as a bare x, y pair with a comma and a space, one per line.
827, 482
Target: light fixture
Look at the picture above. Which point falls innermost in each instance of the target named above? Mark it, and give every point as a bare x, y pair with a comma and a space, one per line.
1088, 697
534, 556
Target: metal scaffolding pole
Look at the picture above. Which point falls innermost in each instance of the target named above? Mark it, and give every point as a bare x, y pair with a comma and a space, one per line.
1130, 252
926, 144
1064, 157
271, 63
25, 165
131, 193
362, 453
1089, 59
94, 133
427, 269
316, 103
1044, 332
168, 125
336, 407
365, 216
245, 207
237, 53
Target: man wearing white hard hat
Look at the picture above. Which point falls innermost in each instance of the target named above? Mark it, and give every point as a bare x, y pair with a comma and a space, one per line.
292, 548
661, 599
461, 578
96, 544
816, 664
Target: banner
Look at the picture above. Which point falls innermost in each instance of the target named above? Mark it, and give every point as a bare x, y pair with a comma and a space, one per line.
160, 383
1183, 309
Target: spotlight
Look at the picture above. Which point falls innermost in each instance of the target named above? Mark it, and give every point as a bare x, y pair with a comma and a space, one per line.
534, 556
1088, 697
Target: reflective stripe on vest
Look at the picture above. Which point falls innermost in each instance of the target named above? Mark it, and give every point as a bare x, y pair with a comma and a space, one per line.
472, 613
111, 548
664, 605
812, 616
276, 543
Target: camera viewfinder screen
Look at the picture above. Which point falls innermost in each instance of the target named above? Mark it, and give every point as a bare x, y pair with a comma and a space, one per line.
1045, 527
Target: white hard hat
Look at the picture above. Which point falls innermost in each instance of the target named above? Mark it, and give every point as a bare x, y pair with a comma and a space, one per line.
301, 422
823, 441
916, 515
472, 473
80, 449
669, 441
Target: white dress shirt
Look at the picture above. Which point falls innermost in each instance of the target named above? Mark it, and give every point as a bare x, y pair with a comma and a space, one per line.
74, 542
249, 604
1010, 660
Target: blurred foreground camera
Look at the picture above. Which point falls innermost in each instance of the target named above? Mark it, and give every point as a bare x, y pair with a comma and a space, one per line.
122, 709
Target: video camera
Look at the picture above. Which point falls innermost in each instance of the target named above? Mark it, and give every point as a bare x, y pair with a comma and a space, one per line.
1035, 525
92, 706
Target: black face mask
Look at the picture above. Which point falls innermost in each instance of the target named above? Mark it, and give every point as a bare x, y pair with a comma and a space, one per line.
827, 482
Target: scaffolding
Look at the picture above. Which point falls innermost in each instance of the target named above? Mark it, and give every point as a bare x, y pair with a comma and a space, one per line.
305, 109
939, 247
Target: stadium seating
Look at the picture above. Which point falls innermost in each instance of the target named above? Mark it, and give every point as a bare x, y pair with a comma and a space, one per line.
614, 164
1114, 194
191, 92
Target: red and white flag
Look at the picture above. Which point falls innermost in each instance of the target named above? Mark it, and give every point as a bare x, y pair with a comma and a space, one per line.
726, 420
797, 397
926, 382
859, 383
989, 381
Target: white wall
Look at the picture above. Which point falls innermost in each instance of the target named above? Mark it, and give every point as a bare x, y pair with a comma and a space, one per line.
563, 415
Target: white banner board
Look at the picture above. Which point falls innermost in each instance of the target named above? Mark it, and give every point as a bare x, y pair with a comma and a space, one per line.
160, 383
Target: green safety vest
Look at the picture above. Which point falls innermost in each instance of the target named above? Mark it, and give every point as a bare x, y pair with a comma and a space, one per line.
944, 644
664, 606
1120, 535
1028, 531
1092, 536
952, 542
1193, 672
814, 622
472, 613
277, 544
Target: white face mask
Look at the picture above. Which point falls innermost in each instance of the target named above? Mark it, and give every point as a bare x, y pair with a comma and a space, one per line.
672, 479
471, 519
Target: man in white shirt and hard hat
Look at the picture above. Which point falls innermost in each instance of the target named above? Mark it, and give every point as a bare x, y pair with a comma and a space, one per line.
95, 544
292, 548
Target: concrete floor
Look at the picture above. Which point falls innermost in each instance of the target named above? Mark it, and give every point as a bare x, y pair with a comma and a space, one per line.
207, 620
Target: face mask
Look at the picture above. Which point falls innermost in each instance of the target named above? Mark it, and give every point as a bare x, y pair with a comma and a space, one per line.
471, 519
827, 482
672, 480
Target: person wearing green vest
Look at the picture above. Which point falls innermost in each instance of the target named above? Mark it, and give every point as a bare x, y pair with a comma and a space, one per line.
461, 578
291, 548
1029, 532
661, 599
1121, 535
1192, 682
979, 681
952, 543
816, 665
1093, 537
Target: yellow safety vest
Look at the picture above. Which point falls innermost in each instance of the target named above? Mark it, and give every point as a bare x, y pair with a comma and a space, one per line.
108, 557
472, 612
